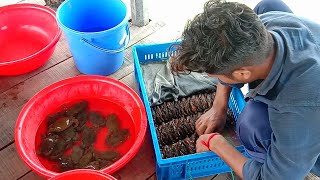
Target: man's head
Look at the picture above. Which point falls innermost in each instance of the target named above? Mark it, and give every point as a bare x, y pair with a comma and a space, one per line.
227, 40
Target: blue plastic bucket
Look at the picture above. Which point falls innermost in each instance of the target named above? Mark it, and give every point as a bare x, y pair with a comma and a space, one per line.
97, 32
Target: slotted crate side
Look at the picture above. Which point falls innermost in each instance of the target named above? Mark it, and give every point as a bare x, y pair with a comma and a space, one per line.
153, 52
195, 167
236, 102
206, 167
183, 167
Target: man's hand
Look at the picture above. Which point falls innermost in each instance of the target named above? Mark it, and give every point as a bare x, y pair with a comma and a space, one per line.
211, 121
219, 145
215, 119
203, 142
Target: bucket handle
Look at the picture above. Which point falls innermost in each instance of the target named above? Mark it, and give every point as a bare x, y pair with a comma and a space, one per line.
124, 45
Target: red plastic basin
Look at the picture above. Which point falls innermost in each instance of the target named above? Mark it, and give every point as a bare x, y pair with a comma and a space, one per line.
28, 36
104, 94
83, 174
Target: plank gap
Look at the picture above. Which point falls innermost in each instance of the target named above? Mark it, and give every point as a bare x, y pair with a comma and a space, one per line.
24, 175
214, 176
36, 74
2, 148
129, 74
152, 175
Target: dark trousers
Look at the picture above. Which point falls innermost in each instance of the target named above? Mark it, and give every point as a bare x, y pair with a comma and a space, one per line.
253, 126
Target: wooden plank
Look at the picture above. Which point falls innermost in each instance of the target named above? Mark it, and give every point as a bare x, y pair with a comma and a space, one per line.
11, 166
60, 54
141, 166
139, 33
31, 176
139, 12
153, 177
7, 2
226, 176
166, 34
130, 81
40, 2
311, 176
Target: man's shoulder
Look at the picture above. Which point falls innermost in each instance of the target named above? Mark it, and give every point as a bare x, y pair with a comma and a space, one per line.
277, 15
283, 21
303, 89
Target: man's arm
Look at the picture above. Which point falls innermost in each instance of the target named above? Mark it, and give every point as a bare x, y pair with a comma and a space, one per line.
215, 119
222, 97
293, 151
229, 154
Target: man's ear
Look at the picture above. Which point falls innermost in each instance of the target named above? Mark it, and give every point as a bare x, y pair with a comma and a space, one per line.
242, 74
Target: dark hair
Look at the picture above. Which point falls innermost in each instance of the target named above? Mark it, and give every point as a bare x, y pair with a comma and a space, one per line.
226, 36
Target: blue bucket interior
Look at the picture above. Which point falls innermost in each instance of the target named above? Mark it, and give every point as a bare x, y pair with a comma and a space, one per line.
92, 15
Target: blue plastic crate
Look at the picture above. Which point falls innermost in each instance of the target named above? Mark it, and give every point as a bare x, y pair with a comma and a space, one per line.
189, 166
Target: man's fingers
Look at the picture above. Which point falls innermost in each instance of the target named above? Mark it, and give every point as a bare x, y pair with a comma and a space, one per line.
200, 147
198, 124
201, 129
209, 130
198, 120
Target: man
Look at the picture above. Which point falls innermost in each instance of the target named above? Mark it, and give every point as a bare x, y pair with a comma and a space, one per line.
278, 54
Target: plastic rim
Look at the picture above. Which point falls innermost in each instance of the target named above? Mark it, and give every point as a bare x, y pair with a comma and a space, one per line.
41, 8
83, 171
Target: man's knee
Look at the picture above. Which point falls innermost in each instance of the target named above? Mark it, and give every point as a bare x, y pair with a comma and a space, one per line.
253, 127
254, 116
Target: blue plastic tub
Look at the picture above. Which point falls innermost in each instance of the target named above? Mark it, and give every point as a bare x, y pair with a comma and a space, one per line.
189, 166
97, 32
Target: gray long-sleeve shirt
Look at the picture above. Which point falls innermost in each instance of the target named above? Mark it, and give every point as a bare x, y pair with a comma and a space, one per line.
292, 92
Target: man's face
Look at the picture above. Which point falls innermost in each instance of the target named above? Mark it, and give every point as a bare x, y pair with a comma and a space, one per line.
226, 79
237, 77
